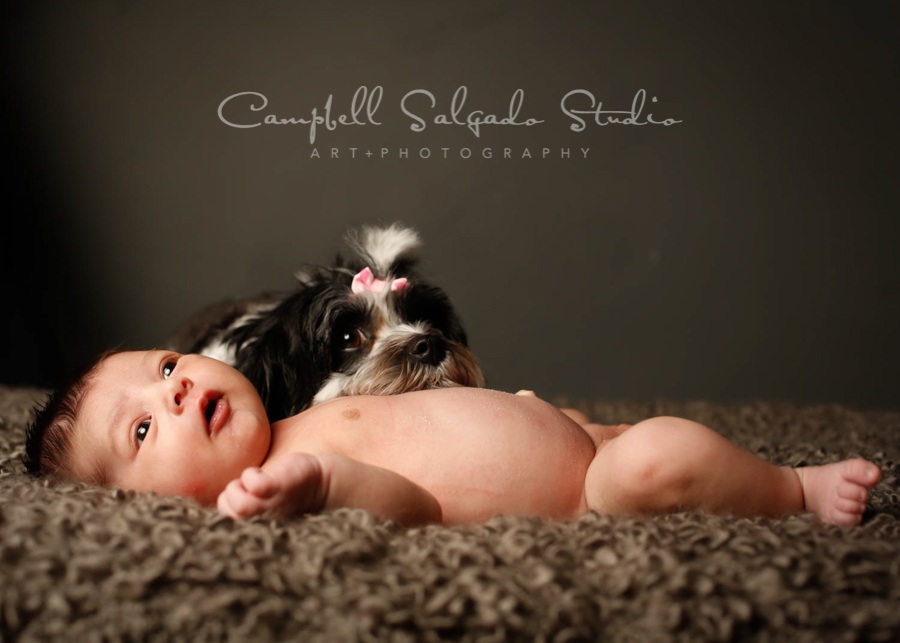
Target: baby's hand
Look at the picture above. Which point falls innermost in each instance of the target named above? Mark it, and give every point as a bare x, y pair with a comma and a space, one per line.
291, 486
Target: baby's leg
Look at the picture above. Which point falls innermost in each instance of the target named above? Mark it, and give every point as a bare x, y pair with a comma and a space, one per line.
666, 463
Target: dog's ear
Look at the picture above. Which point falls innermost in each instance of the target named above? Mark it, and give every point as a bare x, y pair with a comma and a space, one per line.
312, 275
306, 276
391, 250
283, 363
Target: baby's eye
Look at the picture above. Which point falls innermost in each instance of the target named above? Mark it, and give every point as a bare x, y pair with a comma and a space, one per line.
167, 369
142, 430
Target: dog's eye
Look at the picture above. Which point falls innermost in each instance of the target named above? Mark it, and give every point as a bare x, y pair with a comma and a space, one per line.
351, 339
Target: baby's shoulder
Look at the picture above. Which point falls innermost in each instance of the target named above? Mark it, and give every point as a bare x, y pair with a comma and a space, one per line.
287, 442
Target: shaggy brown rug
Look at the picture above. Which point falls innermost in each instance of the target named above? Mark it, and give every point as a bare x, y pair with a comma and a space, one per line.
87, 564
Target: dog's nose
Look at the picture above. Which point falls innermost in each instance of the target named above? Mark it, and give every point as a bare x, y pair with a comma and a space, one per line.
429, 349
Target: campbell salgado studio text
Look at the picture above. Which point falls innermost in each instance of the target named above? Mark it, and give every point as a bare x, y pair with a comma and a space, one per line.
421, 107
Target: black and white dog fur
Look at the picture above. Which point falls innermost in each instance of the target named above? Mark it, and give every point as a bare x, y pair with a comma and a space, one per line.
371, 327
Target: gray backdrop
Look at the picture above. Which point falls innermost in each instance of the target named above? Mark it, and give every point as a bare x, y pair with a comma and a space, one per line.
747, 252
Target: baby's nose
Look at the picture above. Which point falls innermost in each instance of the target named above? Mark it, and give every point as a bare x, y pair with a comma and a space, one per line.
182, 386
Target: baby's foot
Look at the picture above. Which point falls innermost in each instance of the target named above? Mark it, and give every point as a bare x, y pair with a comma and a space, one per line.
837, 493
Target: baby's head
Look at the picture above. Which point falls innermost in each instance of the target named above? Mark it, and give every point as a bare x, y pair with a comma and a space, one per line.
152, 421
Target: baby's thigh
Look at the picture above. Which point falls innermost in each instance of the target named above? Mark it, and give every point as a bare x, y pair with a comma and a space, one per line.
648, 468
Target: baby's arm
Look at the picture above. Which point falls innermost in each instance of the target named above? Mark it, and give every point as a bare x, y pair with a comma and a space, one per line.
305, 483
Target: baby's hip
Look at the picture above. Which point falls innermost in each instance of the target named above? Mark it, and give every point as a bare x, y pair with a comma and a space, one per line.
601, 434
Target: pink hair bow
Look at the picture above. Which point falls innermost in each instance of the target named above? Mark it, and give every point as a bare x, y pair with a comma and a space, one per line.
365, 280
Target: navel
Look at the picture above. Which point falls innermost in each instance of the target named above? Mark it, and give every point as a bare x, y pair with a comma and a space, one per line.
350, 414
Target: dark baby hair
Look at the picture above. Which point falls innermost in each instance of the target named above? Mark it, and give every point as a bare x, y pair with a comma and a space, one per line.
48, 439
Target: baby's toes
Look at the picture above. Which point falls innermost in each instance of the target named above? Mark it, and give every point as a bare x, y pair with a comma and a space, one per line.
852, 491
845, 518
861, 472
849, 506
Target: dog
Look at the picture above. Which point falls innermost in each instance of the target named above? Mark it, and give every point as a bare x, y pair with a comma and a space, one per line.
368, 327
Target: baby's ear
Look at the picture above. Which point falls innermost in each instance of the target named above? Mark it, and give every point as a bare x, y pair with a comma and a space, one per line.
391, 250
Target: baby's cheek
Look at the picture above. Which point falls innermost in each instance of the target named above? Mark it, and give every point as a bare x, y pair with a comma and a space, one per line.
196, 489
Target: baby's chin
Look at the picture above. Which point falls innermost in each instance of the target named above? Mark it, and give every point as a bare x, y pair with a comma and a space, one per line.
247, 425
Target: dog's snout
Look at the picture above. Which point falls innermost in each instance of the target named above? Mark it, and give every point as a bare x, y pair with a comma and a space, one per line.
429, 349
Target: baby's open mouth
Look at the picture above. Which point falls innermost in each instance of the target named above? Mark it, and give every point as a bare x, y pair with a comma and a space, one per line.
214, 411
211, 409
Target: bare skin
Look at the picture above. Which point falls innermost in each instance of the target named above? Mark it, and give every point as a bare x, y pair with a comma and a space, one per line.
655, 466
450, 456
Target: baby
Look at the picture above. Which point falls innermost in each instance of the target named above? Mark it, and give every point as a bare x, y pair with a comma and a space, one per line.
192, 426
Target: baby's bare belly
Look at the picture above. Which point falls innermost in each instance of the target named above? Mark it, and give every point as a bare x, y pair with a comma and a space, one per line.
479, 452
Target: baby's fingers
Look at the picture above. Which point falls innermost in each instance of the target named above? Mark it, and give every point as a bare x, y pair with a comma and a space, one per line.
237, 503
259, 483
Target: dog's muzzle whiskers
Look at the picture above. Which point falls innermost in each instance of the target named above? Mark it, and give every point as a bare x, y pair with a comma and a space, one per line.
391, 371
